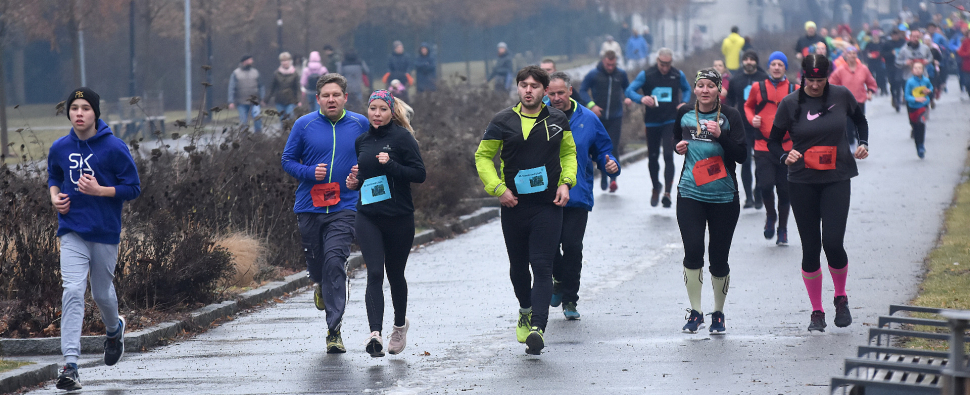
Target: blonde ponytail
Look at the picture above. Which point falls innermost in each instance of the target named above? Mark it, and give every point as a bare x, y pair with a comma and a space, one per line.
402, 114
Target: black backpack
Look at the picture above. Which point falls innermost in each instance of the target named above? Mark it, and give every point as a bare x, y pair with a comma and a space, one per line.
311, 81
764, 96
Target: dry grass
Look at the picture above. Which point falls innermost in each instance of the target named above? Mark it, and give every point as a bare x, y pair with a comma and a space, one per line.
6, 365
247, 257
947, 281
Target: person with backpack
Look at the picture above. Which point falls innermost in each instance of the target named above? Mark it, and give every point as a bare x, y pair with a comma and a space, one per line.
760, 109
308, 80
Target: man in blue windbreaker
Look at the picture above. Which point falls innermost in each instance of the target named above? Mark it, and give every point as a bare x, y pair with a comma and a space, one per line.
320, 154
592, 142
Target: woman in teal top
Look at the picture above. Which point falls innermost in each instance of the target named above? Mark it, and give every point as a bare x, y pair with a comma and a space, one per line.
711, 137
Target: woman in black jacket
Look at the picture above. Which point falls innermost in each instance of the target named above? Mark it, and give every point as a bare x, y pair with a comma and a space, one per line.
388, 161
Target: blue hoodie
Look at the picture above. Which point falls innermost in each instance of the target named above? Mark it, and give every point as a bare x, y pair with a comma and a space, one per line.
914, 83
591, 140
96, 219
313, 140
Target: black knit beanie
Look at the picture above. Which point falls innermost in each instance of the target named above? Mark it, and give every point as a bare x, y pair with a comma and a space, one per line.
87, 94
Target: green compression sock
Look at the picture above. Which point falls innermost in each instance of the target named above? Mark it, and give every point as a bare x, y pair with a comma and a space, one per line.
721, 285
694, 279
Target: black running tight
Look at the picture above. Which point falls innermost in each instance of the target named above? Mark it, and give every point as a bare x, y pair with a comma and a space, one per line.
661, 137
385, 243
826, 205
532, 233
694, 217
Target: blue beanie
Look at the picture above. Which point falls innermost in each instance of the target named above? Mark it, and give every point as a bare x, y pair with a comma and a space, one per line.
778, 55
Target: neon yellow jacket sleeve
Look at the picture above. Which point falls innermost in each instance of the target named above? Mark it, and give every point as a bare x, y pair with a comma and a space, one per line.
567, 159
484, 156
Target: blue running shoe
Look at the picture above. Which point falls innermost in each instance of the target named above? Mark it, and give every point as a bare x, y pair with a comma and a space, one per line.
717, 323
769, 228
782, 237
694, 321
556, 299
569, 310
114, 347
68, 379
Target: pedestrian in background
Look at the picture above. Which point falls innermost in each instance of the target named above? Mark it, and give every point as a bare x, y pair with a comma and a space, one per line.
285, 89
426, 69
308, 80
355, 70
245, 91
399, 65
388, 161
89, 184
503, 69
637, 51
731, 49
611, 45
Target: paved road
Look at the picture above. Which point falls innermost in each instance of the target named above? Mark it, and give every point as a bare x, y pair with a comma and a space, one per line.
633, 300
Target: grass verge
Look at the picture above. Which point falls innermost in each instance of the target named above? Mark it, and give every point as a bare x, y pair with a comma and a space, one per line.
947, 280
6, 365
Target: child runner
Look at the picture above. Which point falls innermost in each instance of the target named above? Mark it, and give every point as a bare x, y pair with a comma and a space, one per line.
712, 138
918, 91
90, 174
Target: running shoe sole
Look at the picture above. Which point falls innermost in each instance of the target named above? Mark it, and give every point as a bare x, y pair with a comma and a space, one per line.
69, 383
374, 348
534, 344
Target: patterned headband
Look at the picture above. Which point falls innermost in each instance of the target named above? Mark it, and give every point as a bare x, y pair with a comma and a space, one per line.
709, 74
382, 95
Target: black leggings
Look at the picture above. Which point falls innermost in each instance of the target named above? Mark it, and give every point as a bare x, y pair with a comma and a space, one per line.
828, 205
772, 175
385, 243
568, 264
694, 217
746, 177
657, 137
531, 233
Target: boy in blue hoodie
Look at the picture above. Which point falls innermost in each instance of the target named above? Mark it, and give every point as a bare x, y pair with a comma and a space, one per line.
320, 154
90, 174
918, 91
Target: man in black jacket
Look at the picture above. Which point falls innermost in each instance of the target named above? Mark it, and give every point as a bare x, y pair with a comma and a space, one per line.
896, 82
602, 92
738, 94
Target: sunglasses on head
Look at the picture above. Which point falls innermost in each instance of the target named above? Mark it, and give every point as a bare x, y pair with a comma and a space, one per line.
662, 63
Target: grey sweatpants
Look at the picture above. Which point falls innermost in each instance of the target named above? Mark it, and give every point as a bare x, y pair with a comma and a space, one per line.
326, 242
78, 259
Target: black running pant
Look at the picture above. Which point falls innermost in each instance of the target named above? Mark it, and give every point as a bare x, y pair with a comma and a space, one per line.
896, 85
694, 217
569, 263
326, 242
661, 137
746, 170
772, 175
614, 127
532, 233
919, 127
826, 205
385, 243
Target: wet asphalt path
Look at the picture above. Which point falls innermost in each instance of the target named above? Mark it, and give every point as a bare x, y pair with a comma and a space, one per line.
463, 311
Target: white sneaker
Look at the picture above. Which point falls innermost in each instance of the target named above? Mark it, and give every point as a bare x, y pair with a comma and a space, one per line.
398, 338
375, 347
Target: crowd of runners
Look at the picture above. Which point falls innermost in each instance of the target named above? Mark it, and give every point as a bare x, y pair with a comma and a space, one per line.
797, 143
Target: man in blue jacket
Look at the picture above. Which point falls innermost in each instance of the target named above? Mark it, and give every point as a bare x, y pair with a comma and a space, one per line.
90, 176
602, 92
592, 141
664, 89
320, 154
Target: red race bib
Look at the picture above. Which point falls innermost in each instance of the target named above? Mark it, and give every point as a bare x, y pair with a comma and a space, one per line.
708, 170
820, 158
324, 195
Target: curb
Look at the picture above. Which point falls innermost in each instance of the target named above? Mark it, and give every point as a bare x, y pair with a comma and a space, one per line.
148, 337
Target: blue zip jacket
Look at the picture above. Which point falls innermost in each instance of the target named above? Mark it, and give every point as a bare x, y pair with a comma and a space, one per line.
591, 140
96, 219
314, 140
606, 90
911, 84
637, 48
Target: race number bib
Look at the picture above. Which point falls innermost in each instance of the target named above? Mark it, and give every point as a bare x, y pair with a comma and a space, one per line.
375, 189
324, 195
531, 180
707, 170
820, 158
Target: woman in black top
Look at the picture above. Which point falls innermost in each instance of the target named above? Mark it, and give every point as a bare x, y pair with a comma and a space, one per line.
820, 165
388, 161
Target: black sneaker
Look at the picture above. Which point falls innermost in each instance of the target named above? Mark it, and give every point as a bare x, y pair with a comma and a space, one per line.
717, 323
748, 204
604, 181
655, 197
694, 321
769, 228
842, 316
114, 347
758, 203
68, 379
818, 321
666, 200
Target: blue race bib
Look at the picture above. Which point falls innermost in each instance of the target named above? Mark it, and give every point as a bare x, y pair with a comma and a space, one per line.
747, 91
664, 94
531, 180
375, 189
